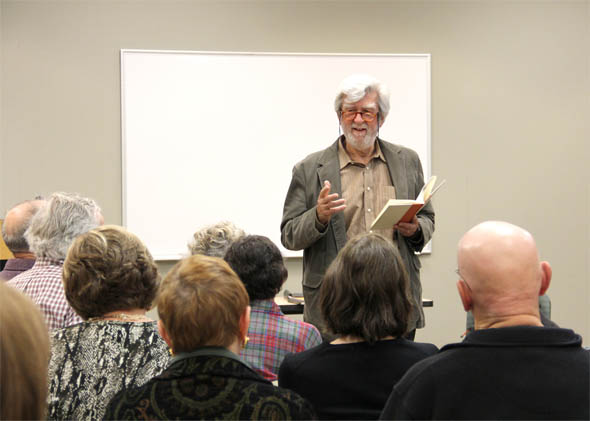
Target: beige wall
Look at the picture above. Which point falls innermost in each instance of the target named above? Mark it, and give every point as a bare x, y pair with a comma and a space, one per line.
510, 109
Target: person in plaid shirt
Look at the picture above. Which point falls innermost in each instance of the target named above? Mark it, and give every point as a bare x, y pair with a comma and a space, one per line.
272, 335
52, 230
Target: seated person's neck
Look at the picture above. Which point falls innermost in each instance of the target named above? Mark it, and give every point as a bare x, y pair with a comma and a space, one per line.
507, 321
23, 255
351, 339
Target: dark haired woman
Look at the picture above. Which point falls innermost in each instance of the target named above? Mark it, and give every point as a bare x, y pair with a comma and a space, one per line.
272, 335
365, 301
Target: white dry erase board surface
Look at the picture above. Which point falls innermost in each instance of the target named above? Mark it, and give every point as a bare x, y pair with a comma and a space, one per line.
212, 136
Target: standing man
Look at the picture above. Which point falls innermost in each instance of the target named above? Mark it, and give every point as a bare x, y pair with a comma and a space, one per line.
336, 193
15, 224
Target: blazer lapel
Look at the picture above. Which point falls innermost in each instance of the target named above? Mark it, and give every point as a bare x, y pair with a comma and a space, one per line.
396, 166
329, 169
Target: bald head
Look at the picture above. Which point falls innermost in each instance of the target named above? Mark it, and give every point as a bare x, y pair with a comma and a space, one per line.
15, 224
501, 274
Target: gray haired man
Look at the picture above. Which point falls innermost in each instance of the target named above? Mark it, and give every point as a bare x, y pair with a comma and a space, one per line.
53, 228
336, 194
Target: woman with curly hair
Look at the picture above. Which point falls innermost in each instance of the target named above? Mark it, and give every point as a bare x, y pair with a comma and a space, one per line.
110, 280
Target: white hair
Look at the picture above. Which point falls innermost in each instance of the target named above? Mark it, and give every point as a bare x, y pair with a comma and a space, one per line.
214, 240
354, 87
59, 221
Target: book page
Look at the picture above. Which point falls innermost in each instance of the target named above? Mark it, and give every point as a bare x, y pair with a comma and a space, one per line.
391, 213
426, 191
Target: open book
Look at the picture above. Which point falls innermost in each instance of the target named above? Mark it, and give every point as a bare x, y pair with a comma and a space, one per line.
396, 210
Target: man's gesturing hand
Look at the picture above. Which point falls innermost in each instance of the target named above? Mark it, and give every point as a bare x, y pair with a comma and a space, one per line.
328, 204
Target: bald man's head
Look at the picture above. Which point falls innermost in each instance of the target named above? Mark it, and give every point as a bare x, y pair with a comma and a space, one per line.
501, 275
15, 224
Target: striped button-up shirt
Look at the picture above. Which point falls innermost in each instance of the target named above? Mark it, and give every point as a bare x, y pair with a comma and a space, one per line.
366, 189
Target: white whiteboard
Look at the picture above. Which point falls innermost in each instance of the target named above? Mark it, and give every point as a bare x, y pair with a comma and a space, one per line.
209, 136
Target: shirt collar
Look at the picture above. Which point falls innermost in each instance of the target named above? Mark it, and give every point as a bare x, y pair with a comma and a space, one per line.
267, 306
344, 158
45, 261
519, 336
210, 351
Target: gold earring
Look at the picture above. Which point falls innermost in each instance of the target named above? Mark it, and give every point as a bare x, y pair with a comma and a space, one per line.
246, 339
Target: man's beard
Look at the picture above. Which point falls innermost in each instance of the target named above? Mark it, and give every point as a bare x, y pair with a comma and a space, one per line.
362, 144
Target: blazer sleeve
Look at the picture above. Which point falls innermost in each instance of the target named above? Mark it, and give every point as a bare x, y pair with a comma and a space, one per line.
426, 214
298, 226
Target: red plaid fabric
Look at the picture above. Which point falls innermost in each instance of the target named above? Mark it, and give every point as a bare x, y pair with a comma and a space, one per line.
43, 284
272, 335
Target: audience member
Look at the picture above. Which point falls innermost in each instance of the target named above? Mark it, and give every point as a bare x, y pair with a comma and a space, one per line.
204, 316
214, 240
16, 222
24, 352
111, 281
53, 228
365, 300
510, 367
259, 264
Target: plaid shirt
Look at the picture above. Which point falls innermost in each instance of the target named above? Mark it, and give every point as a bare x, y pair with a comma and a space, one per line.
272, 336
43, 284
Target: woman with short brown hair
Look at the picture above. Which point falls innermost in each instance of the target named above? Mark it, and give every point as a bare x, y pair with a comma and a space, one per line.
204, 316
110, 280
365, 301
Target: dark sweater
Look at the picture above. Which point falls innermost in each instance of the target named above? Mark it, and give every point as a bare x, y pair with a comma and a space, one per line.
521, 372
15, 267
350, 381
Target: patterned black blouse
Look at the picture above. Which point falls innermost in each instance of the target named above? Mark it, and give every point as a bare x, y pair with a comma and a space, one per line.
209, 384
92, 361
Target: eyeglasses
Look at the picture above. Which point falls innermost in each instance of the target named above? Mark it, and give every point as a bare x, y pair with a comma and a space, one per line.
367, 116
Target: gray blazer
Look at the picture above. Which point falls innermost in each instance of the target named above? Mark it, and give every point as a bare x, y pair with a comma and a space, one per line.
298, 226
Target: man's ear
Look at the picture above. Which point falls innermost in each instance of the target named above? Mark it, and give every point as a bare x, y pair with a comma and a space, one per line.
244, 323
164, 334
465, 295
546, 273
